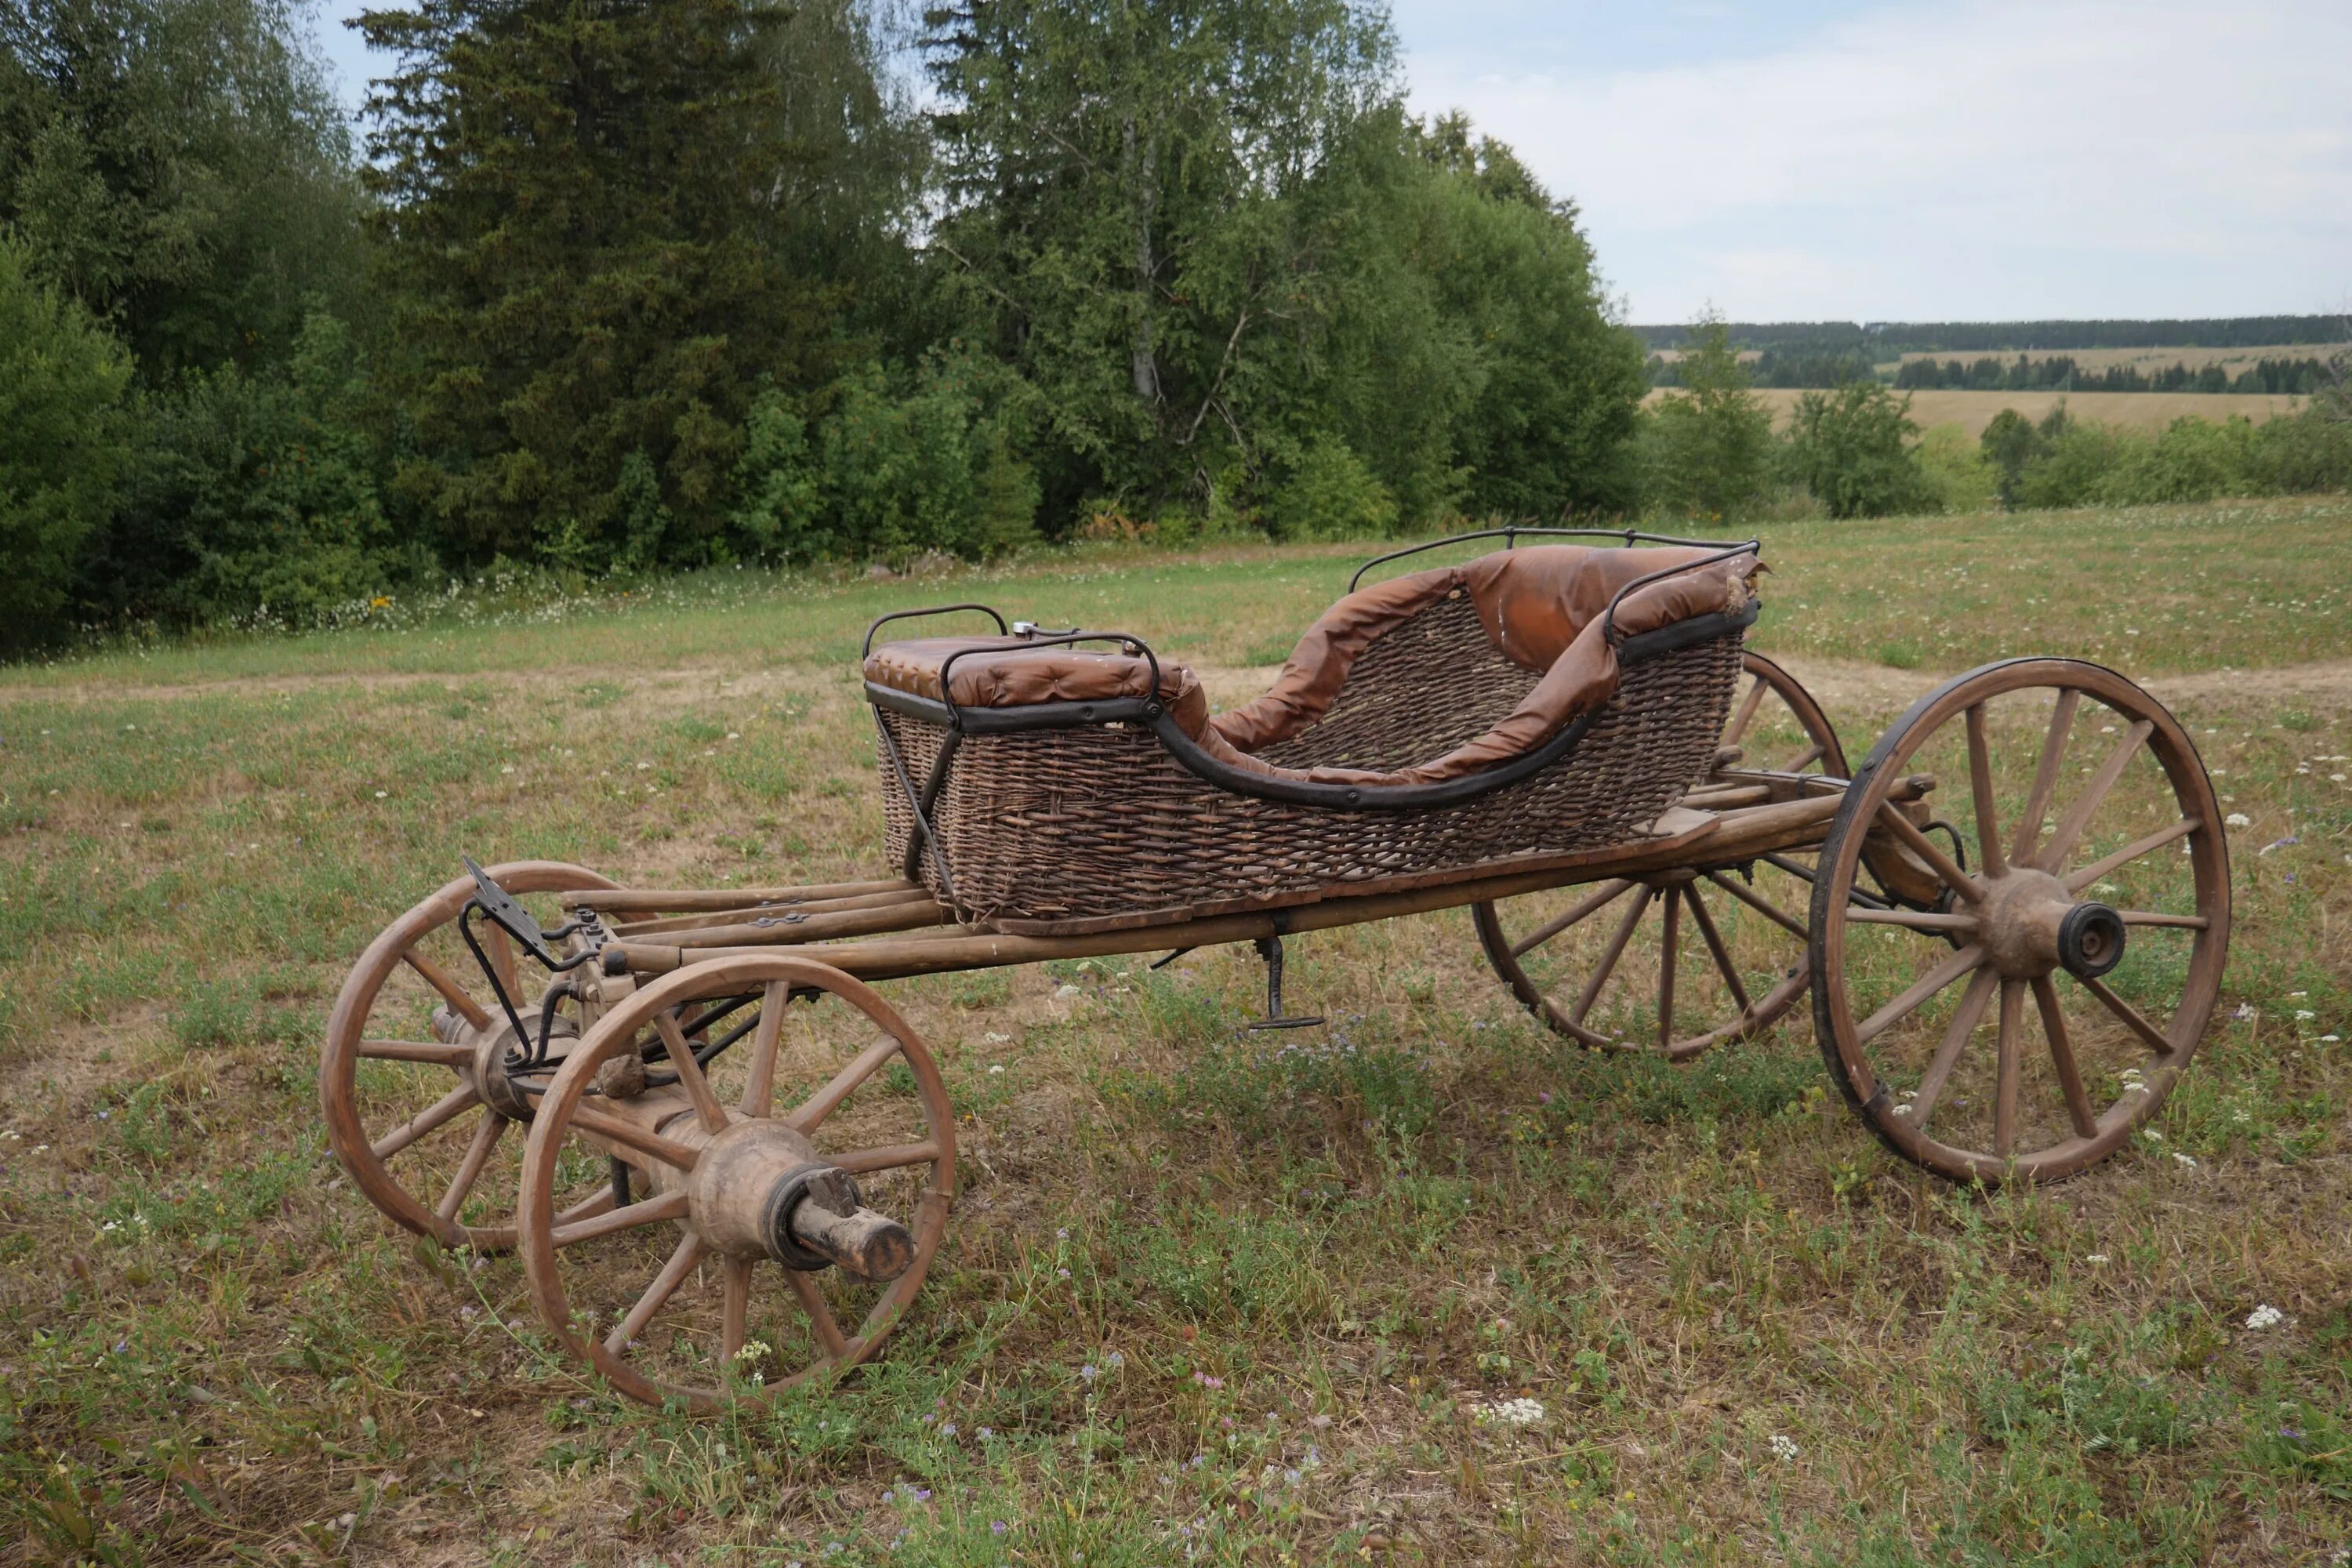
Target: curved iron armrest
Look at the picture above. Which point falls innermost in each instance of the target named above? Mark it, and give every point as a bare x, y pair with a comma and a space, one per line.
1609, 617
1511, 537
881, 621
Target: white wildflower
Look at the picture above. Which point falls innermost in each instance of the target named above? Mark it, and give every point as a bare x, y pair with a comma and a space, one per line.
2094, 1257
2265, 1317
1512, 1412
2237, 819
1784, 1447
2185, 1162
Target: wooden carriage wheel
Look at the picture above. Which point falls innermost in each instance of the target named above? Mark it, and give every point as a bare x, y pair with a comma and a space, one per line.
401, 1077
1683, 960
2039, 1010
687, 1292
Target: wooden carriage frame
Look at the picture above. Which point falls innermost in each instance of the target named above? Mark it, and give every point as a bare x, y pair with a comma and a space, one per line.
646, 988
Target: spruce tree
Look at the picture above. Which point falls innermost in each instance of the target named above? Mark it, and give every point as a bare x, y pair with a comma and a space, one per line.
583, 201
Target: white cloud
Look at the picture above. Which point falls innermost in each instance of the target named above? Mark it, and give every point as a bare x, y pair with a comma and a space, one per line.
1990, 158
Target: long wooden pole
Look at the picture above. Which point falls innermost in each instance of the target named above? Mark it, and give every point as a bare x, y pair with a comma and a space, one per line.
1736, 835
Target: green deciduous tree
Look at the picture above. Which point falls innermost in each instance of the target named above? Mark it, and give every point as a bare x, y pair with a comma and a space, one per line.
585, 219
61, 385
1705, 452
180, 167
1851, 447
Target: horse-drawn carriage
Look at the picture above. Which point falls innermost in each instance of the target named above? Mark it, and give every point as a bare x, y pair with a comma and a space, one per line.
2011, 918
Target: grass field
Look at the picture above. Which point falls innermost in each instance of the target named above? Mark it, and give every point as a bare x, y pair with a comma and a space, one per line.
1972, 411
1205, 1296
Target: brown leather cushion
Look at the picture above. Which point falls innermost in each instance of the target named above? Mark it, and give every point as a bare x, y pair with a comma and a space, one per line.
1010, 673
1542, 607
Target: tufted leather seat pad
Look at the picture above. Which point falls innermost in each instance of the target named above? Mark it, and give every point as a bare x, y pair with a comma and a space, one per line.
1007, 672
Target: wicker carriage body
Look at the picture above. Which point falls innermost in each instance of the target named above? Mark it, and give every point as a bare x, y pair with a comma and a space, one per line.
1091, 826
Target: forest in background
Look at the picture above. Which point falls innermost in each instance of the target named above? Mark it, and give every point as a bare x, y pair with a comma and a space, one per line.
645, 286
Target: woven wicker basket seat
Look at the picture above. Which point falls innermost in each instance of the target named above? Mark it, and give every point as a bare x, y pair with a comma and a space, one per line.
1530, 704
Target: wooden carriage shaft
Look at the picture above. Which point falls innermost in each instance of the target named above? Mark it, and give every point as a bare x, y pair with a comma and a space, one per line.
1735, 835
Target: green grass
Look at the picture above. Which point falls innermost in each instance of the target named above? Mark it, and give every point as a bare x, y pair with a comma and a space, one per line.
1315, 1258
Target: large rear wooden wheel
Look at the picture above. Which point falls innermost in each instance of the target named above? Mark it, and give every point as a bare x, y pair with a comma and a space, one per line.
417, 1107
1680, 961
2052, 968
694, 1290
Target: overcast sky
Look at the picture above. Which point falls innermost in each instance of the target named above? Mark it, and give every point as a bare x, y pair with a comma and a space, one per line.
1961, 161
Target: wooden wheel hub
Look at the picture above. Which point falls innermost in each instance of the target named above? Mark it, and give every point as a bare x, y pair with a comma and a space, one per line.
498, 1087
2019, 921
760, 1191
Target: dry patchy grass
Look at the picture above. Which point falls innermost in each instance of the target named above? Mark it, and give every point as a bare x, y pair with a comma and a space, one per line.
1317, 1260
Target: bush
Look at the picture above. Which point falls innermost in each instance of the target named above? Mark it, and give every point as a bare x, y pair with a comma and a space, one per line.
1329, 494
61, 383
1959, 476
887, 473
1707, 453
1850, 448
252, 497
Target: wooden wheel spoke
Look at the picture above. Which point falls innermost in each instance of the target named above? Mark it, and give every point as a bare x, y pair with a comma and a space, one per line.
812, 1112
1667, 941
735, 1308
1590, 904
1761, 905
620, 1130
500, 947
1609, 956
2130, 1017
451, 991
759, 1087
1714, 939
1981, 786
440, 1112
2062, 1057
1747, 714
598, 1202
1956, 1033
2004, 1104
820, 1313
469, 1169
1913, 920
689, 1075
1804, 759
2078, 881
1952, 967
1890, 815
650, 1211
2078, 815
2045, 777
665, 1285
429, 1051
893, 1157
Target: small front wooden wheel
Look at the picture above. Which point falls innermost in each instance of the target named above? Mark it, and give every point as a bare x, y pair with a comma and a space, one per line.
694, 1290
2021, 1023
399, 1079
1678, 962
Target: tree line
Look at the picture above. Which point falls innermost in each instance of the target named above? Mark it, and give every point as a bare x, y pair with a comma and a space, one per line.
645, 286
650, 285
2267, 376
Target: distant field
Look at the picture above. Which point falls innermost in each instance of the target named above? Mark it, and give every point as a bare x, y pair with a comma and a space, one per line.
2138, 410
2231, 360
